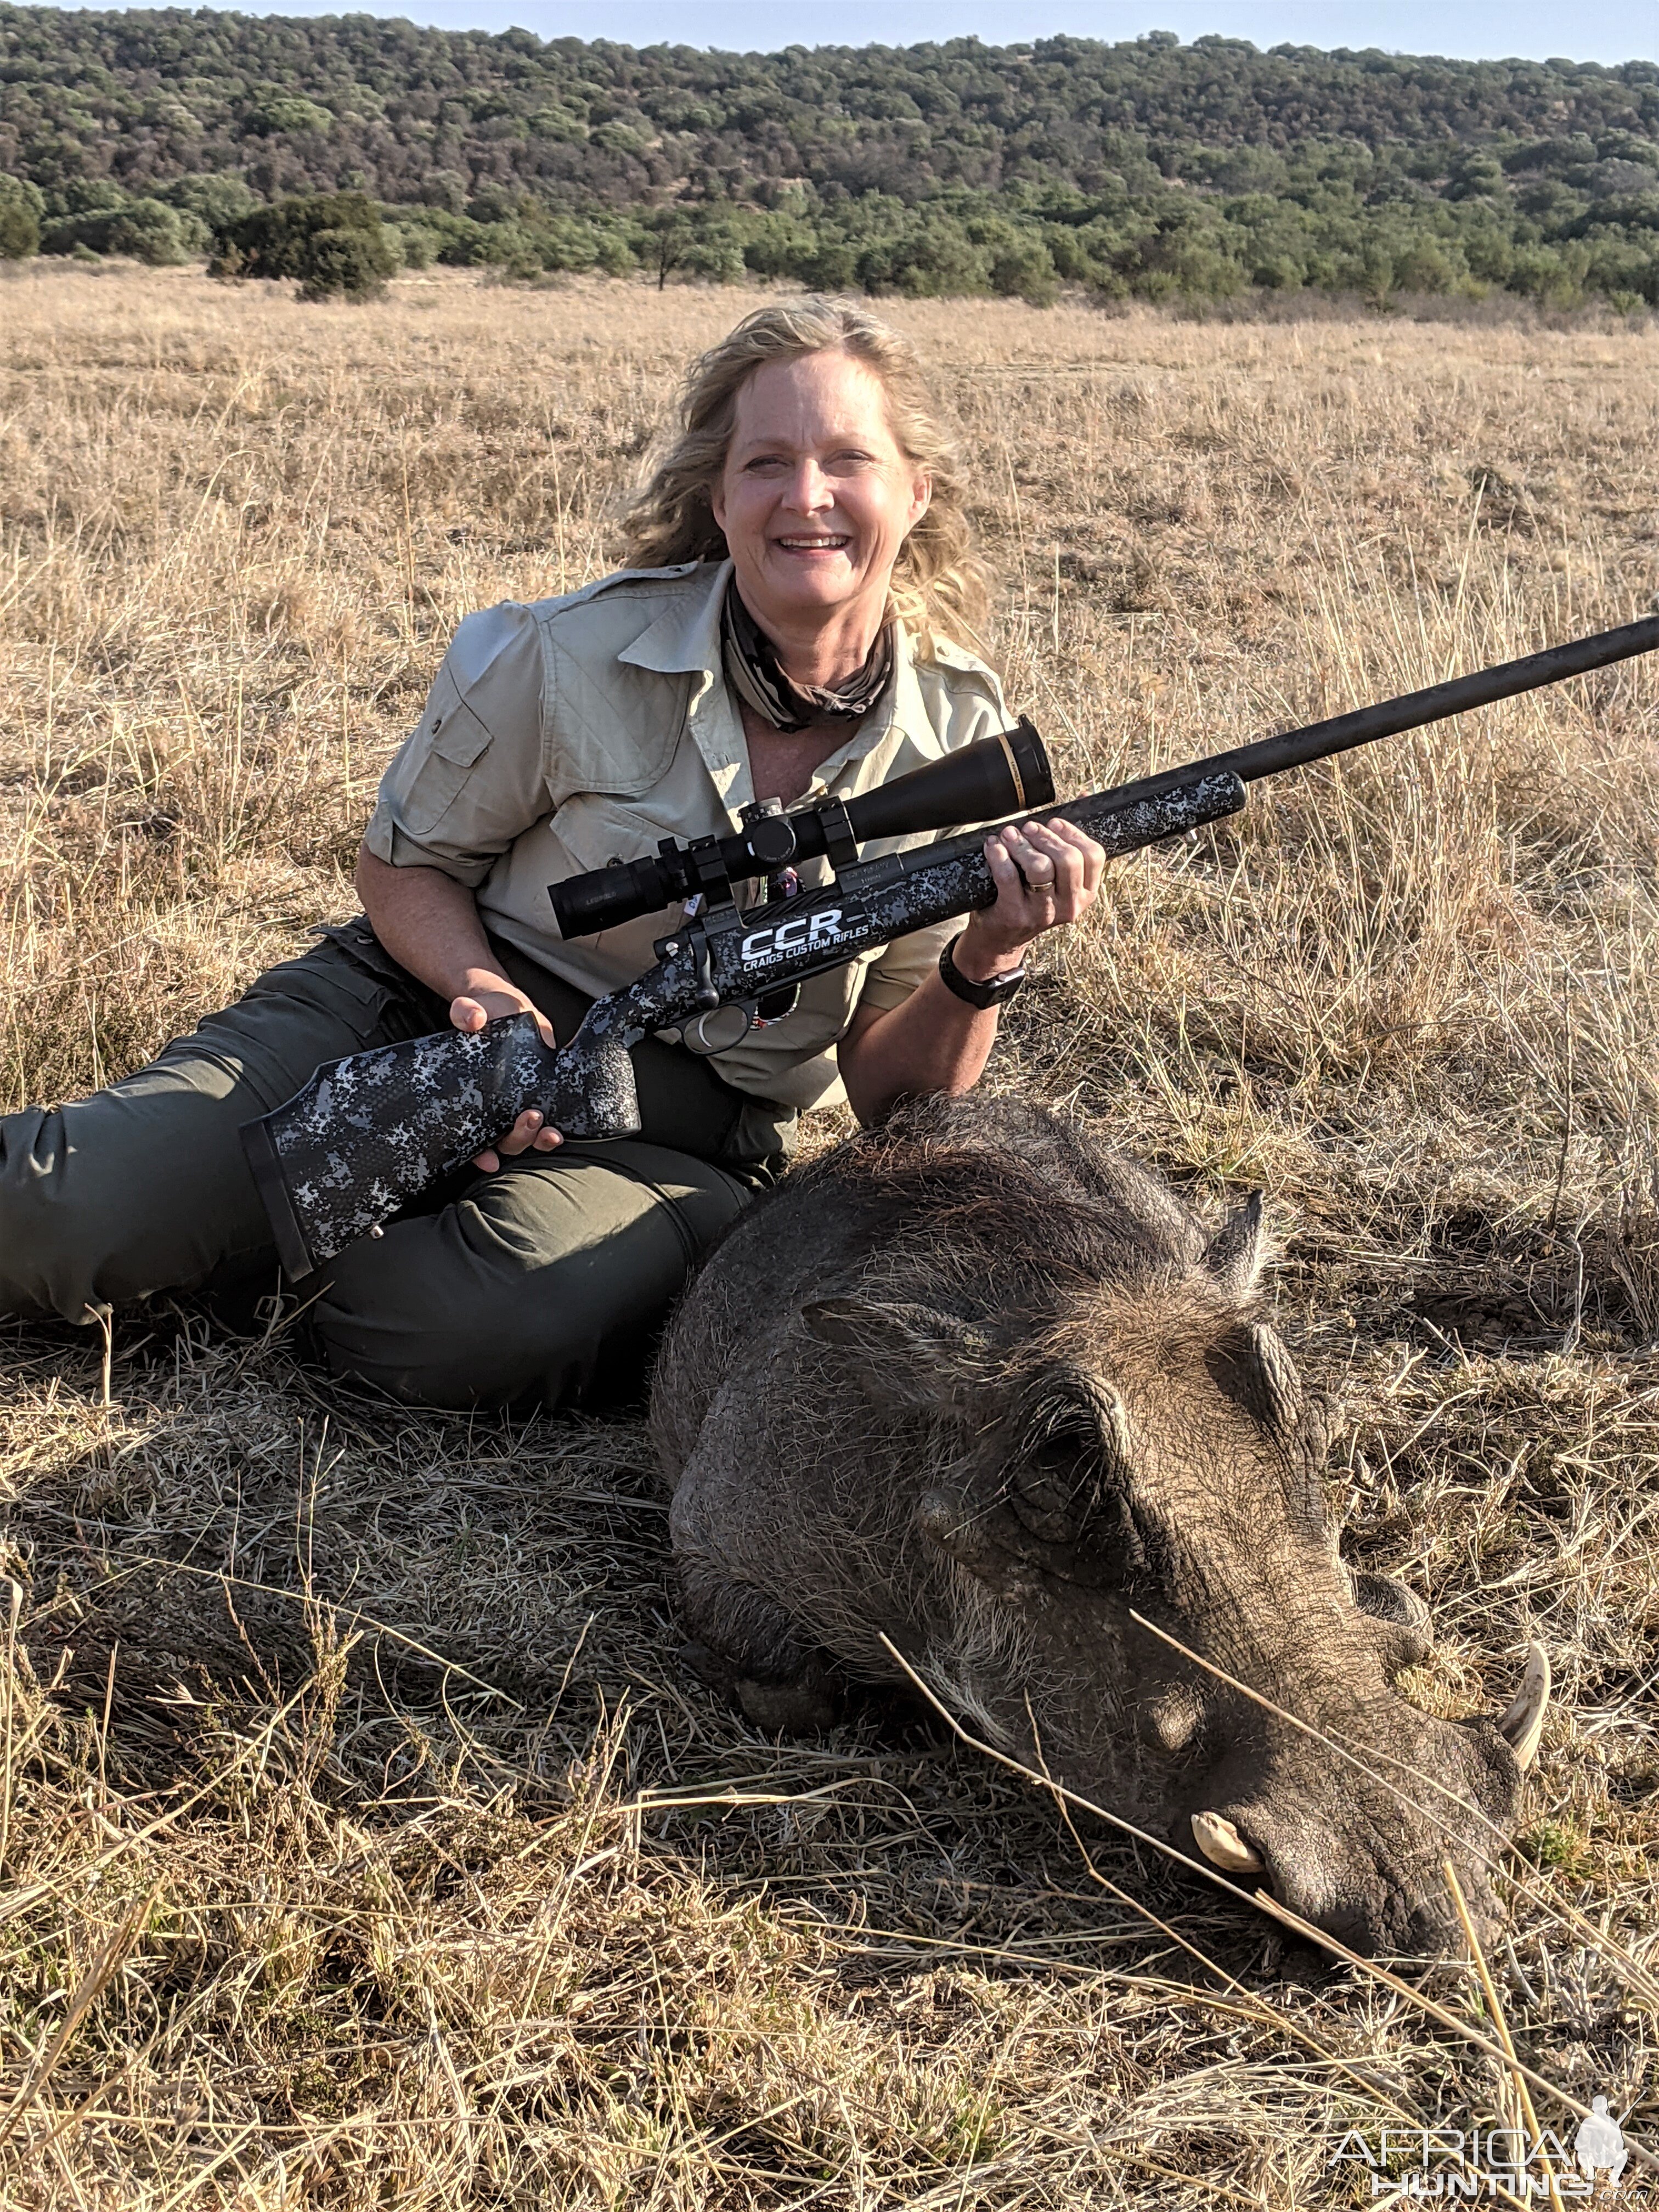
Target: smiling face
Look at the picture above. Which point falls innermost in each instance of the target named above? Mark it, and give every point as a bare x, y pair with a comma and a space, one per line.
817, 497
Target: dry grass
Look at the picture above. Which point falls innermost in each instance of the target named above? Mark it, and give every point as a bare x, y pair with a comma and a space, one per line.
337, 1743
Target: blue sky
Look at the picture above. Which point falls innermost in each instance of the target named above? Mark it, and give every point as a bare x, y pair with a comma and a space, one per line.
1605, 31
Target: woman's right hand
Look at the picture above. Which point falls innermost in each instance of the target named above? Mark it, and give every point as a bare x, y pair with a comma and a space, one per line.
430, 922
487, 998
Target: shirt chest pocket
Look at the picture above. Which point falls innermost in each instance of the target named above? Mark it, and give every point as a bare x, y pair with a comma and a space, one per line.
596, 827
448, 745
615, 729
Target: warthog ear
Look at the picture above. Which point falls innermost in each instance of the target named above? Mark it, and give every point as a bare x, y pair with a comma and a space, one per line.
905, 1355
1234, 1255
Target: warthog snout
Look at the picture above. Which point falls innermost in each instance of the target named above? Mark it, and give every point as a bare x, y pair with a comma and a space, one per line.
1308, 1871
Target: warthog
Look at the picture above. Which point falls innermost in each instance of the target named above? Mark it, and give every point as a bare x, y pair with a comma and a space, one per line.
973, 1383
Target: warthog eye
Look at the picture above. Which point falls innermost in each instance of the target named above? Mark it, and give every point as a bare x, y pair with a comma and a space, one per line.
1067, 1471
1055, 1483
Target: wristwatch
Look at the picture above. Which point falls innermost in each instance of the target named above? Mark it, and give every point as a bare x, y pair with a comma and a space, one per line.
991, 993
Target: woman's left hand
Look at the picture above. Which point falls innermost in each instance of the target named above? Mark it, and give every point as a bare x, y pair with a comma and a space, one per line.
1046, 873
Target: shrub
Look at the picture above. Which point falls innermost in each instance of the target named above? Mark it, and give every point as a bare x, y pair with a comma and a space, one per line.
86, 196
934, 260
445, 189
215, 201
418, 243
1025, 270
494, 202
833, 268
511, 249
346, 265
278, 114
334, 243
145, 229
22, 206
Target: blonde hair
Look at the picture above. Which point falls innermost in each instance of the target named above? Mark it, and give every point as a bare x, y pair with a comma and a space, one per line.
939, 584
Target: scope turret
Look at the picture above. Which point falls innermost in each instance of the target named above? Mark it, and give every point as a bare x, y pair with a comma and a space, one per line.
1005, 774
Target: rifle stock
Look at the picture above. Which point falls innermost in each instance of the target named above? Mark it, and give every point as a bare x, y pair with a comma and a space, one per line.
371, 1131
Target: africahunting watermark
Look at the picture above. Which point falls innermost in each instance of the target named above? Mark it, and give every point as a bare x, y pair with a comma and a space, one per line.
1460, 2165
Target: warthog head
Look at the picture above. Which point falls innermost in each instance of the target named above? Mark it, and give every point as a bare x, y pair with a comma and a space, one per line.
1117, 1467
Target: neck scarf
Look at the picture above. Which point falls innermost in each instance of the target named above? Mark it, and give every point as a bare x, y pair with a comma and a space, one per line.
752, 671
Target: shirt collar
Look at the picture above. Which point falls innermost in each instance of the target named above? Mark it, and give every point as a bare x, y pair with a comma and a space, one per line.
685, 641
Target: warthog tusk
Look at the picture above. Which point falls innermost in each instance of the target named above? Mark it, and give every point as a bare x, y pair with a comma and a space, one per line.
1223, 1845
1524, 1724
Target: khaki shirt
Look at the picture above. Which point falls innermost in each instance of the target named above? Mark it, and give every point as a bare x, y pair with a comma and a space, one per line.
574, 732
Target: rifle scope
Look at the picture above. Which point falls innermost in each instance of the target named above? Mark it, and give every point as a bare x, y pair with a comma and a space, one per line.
1006, 774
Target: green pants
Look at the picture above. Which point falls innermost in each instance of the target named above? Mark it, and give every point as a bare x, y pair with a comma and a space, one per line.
524, 1284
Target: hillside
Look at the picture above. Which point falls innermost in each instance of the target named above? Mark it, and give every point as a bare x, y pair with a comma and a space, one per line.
1146, 166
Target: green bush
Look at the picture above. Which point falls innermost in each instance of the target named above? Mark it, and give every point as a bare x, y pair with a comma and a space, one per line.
22, 206
334, 243
934, 260
277, 114
215, 201
146, 230
1621, 268
511, 250
1024, 270
830, 266
86, 196
418, 242
615, 256
346, 265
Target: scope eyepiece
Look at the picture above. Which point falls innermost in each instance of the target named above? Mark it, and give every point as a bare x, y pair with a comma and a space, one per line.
1005, 774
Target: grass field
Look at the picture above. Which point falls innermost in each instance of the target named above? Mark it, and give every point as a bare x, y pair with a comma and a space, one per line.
363, 1843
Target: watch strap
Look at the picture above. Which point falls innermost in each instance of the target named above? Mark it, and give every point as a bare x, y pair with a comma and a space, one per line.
983, 996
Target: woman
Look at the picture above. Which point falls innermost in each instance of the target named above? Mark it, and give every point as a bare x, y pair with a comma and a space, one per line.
792, 622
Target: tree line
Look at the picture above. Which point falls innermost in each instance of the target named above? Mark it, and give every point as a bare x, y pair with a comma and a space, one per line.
1146, 169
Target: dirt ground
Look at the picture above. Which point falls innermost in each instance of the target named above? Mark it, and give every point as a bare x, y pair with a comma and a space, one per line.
362, 1841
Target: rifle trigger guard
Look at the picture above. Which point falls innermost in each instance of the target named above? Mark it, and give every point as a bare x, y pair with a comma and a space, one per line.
695, 1037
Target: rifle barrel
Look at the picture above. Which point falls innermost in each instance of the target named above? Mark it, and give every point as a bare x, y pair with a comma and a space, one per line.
1388, 717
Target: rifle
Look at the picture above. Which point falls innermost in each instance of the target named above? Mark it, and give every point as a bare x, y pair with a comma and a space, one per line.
369, 1133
